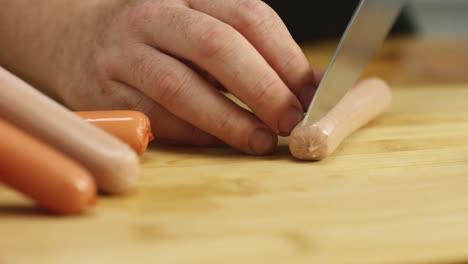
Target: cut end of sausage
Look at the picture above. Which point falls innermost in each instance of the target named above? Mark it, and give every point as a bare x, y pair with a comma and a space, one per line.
362, 103
145, 135
309, 143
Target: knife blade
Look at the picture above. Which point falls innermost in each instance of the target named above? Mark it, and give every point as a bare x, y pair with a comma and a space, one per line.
365, 34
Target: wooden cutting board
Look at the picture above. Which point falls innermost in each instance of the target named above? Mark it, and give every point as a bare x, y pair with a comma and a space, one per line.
394, 192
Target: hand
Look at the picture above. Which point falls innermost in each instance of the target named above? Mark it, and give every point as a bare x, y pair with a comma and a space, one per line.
149, 55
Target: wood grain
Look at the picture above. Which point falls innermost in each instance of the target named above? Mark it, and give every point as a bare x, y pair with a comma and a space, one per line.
394, 192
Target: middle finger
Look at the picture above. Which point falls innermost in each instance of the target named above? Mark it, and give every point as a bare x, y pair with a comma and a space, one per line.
229, 57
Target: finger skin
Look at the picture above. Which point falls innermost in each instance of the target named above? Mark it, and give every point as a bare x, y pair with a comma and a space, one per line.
40, 172
180, 90
265, 30
132, 127
307, 94
223, 52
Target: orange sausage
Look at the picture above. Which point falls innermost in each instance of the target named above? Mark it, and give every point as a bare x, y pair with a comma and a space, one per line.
132, 127
40, 172
114, 165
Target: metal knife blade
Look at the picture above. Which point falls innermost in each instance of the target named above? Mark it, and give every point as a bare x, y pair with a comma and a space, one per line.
365, 34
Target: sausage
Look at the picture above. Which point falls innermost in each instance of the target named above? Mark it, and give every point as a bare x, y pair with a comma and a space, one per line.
132, 127
40, 172
360, 105
113, 163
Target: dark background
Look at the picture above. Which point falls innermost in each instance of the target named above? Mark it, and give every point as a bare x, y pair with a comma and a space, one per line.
313, 20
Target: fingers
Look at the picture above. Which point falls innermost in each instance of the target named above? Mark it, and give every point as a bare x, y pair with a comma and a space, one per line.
229, 57
166, 126
181, 91
262, 26
308, 94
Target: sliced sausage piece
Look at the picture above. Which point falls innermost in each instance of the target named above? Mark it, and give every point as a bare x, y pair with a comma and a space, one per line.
359, 106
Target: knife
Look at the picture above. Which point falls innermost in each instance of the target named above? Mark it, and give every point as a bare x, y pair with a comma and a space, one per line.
365, 34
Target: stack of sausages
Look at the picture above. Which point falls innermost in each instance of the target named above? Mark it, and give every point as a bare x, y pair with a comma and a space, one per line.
61, 159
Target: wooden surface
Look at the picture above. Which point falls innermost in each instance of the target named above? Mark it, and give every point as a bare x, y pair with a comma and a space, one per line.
409, 61
395, 192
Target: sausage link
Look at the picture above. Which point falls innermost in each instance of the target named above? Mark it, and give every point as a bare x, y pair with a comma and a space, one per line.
113, 163
40, 172
132, 127
359, 106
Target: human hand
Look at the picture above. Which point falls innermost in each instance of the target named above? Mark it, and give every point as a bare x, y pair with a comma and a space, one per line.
158, 57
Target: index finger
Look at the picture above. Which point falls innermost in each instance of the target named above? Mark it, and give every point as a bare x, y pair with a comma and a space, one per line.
223, 52
265, 30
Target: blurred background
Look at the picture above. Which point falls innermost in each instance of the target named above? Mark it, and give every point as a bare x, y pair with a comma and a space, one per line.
440, 17
311, 20
431, 44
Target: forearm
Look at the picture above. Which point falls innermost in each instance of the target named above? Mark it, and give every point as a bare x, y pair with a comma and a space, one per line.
41, 40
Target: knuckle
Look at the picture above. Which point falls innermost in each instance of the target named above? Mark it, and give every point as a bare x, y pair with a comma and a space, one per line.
260, 93
144, 105
213, 40
256, 14
226, 126
171, 85
105, 86
140, 68
104, 74
295, 59
102, 67
143, 12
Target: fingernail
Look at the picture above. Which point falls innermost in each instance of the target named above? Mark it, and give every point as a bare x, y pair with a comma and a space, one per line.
262, 141
289, 121
306, 95
318, 76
